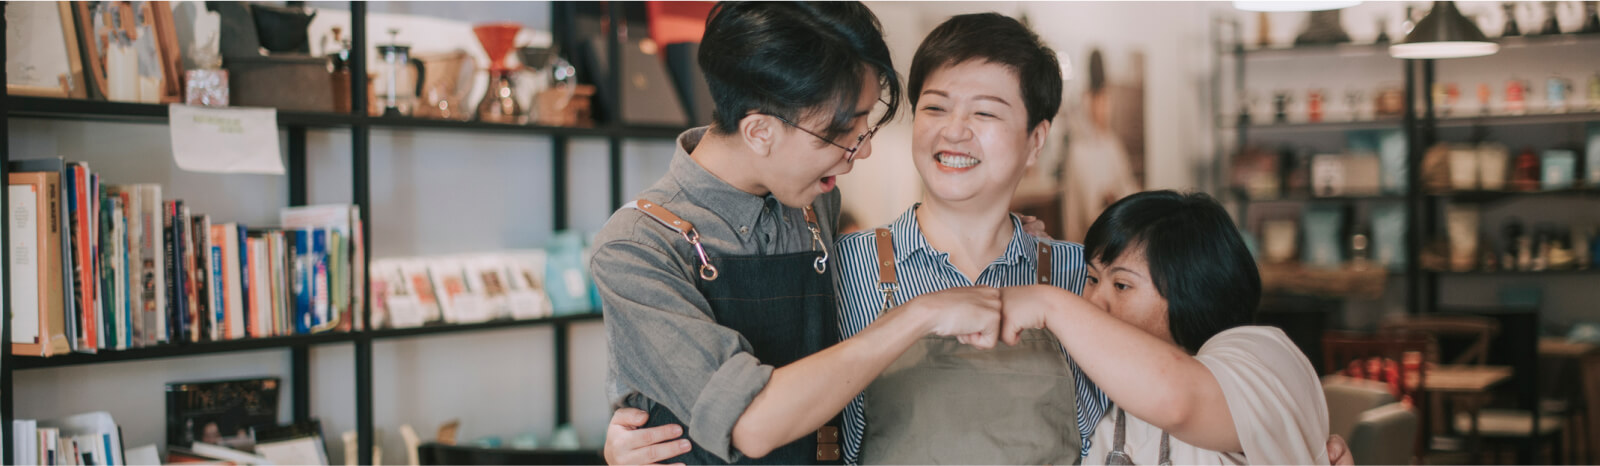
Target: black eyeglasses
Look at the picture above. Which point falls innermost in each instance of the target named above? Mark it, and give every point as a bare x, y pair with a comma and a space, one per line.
849, 152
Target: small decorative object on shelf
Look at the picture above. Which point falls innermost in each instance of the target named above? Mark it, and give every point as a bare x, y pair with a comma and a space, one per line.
1445, 97
1556, 90
1462, 227
555, 86
1594, 92
1263, 30
1492, 160
1591, 18
1352, 103
1559, 167
1390, 102
448, 86
398, 88
1463, 167
1280, 107
1525, 175
499, 104
1516, 97
1314, 105
1552, 26
1511, 254
1323, 28
1484, 94
1510, 29
1383, 30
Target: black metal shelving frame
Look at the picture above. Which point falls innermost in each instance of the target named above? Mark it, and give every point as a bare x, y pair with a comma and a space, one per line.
1421, 125
360, 125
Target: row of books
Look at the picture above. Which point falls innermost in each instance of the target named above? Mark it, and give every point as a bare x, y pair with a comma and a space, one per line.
84, 439
98, 267
459, 289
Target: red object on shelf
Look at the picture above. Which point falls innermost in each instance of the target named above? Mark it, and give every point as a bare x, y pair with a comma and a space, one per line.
1525, 177
676, 22
1314, 105
497, 40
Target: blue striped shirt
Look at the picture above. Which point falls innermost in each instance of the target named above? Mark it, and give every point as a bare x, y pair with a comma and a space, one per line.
922, 269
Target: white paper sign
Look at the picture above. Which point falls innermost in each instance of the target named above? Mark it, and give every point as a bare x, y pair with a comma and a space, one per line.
225, 140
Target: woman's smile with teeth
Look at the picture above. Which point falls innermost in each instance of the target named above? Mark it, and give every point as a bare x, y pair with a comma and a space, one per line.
955, 161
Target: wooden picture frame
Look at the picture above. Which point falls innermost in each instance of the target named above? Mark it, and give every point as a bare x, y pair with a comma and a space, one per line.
34, 24
98, 20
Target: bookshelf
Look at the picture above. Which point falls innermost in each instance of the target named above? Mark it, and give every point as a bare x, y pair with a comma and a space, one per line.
360, 127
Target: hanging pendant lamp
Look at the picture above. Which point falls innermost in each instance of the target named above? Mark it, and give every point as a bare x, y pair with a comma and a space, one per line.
1293, 5
1444, 33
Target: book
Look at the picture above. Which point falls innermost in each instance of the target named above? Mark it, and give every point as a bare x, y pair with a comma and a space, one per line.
231, 279
38, 326
304, 264
177, 312
152, 264
58, 221
241, 255
346, 256
98, 437
128, 283
221, 412
23, 433
84, 276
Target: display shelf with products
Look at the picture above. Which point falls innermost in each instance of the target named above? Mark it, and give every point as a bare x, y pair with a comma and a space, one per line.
612, 130
1481, 196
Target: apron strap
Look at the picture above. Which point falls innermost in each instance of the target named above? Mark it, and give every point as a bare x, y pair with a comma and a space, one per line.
683, 227
821, 265
1044, 262
886, 277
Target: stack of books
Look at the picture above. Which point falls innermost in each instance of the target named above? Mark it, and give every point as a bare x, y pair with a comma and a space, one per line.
99, 267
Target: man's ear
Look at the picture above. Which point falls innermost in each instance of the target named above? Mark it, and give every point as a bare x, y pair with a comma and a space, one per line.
758, 133
1036, 139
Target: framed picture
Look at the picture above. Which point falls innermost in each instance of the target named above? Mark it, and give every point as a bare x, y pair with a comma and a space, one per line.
42, 57
131, 50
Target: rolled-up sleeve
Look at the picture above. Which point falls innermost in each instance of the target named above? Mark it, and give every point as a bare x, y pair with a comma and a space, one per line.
665, 344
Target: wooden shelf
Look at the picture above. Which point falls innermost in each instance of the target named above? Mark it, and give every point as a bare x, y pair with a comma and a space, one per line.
180, 350
1498, 196
491, 325
1570, 118
95, 110
255, 344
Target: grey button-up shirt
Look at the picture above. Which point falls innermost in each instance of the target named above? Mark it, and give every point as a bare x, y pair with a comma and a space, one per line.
665, 345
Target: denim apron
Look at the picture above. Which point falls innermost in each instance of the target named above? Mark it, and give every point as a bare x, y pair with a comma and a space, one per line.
783, 305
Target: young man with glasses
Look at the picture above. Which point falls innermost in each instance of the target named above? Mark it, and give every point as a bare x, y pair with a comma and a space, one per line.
717, 284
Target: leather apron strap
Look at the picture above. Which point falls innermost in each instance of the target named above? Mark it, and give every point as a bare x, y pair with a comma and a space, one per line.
1022, 398
670, 220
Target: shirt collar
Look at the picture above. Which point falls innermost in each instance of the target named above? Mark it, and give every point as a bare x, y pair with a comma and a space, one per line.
704, 189
908, 240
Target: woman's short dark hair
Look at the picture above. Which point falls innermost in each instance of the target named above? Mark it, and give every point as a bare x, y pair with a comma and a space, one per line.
794, 60
999, 39
1197, 260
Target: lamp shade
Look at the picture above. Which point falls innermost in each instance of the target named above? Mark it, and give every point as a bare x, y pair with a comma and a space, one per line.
1444, 33
1293, 5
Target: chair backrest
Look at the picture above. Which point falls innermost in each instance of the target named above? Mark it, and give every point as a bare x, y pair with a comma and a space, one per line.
1478, 331
1384, 435
1349, 398
1393, 358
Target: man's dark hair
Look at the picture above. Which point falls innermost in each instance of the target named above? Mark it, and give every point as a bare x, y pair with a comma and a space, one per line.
794, 60
999, 39
1197, 260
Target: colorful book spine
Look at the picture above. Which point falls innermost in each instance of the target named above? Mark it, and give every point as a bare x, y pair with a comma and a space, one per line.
303, 266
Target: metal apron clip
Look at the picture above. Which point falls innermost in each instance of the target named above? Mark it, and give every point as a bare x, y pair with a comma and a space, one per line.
821, 264
666, 218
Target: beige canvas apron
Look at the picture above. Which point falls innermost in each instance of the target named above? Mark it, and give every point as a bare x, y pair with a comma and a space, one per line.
943, 402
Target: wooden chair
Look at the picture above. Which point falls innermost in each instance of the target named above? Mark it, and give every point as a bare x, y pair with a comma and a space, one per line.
1342, 350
